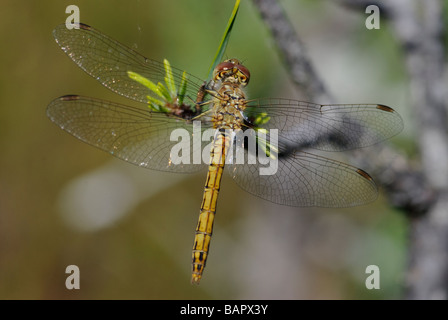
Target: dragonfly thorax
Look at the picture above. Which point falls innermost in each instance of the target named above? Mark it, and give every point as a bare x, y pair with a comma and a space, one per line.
229, 105
229, 79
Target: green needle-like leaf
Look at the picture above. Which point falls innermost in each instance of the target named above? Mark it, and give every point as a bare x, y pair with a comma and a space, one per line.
261, 119
182, 89
163, 91
225, 40
146, 82
270, 150
169, 79
155, 104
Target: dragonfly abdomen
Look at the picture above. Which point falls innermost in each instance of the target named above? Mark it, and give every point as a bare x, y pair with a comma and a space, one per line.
204, 229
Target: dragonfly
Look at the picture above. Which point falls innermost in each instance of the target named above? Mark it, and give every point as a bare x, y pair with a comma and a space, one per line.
171, 99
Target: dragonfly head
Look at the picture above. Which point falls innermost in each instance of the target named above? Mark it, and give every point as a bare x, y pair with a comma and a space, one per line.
233, 71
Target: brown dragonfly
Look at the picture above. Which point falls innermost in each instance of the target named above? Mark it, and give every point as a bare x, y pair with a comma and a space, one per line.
282, 130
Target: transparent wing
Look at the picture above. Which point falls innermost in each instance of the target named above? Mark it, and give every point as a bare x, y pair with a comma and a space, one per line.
108, 61
304, 179
326, 127
136, 135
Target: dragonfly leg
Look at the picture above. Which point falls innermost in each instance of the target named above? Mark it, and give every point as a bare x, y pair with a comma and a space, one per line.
200, 98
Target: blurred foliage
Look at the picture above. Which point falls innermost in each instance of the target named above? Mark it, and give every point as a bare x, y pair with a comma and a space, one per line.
146, 254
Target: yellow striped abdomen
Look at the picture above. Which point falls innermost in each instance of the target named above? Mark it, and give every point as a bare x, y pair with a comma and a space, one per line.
204, 228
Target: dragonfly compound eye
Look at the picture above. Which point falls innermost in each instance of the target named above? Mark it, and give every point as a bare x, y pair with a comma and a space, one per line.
243, 79
222, 70
244, 74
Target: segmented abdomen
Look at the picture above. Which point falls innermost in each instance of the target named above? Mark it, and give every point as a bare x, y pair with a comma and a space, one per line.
204, 228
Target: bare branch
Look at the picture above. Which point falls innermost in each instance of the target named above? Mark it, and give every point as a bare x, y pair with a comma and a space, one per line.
419, 29
304, 76
292, 51
428, 269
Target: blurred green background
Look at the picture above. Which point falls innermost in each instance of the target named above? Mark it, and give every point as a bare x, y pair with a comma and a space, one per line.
130, 230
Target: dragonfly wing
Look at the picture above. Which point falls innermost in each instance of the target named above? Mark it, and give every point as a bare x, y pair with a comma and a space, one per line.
109, 61
133, 134
304, 179
326, 127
